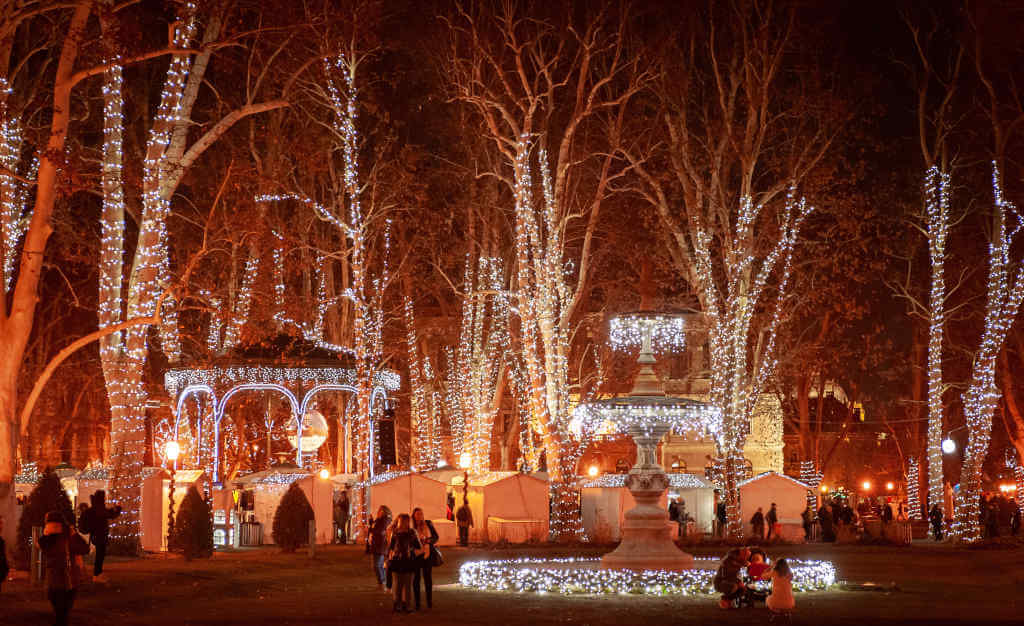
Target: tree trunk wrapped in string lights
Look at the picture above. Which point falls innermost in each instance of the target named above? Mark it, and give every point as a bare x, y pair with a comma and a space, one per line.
424, 401
1005, 291
936, 204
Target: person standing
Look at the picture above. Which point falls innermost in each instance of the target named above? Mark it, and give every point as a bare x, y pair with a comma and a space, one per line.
1014, 517
62, 548
935, 517
825, 520
427, 535
773, 519
341, 516
451, 507
96, 522
887, 513
757, 524
403, 550
808, 520
4, 567
464, 520
377, 543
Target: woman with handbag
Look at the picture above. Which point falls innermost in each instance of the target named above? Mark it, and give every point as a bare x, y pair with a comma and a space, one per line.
62, 548
402, 551
428, 558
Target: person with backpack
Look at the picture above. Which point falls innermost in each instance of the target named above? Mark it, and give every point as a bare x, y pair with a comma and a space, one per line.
62, 555
95, 522
403, 550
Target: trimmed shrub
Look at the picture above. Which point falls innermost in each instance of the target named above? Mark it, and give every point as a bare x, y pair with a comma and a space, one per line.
291, 520
48, 495
193, 528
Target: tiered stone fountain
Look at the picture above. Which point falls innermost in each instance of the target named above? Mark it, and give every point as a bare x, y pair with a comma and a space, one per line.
647, 414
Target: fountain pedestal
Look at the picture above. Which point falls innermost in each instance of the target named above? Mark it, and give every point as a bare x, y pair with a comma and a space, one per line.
646, 535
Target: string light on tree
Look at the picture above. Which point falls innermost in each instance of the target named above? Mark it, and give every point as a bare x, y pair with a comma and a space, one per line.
913, 488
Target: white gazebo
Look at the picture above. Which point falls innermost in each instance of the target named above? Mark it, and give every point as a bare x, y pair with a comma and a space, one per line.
294, 368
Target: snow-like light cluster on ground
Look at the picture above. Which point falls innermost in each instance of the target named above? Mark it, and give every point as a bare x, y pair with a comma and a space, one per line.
564, 576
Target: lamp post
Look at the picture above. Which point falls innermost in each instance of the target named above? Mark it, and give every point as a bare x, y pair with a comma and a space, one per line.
171, 451
464, 461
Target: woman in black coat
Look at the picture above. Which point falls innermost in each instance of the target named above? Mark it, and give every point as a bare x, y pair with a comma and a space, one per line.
62, 549
428, 537
377, 542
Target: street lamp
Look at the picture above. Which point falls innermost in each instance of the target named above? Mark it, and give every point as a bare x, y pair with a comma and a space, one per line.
948, 446
866, 485
171, 452
889, 486
592, 471
464, 460
324, 474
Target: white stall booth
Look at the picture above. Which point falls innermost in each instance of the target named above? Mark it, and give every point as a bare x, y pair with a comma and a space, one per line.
155, 502
260, 494
506, 506
605, 500
402, 492
789, 495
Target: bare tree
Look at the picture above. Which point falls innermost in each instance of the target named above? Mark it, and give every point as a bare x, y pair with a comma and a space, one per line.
550, 92
737, 142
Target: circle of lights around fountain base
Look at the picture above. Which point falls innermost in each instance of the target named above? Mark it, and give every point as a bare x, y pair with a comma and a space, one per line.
572, 576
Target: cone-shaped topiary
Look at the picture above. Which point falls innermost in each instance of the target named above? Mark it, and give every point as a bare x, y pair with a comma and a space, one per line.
48, 495
193, 528
291, 521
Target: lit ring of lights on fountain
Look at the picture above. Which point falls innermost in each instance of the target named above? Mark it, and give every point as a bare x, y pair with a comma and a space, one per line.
572, 576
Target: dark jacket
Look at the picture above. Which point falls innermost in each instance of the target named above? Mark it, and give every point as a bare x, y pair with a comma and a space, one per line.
4, 567
97, 518
773, 516
757, 519
379, 536
729, 570
402, 551
464, 517
60, 547
430, 541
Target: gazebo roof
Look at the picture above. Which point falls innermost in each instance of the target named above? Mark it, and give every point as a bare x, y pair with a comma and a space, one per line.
282, 359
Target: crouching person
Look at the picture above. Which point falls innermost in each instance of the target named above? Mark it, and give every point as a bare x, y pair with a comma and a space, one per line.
727, 580
62, 549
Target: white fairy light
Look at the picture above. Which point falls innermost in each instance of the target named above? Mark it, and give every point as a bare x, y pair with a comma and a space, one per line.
15, 211
914, 489
425, 440
667, 332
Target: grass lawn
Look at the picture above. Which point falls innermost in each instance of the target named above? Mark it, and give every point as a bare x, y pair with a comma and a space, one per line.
936, 585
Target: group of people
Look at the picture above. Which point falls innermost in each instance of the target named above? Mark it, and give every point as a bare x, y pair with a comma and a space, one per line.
998, 512
404, 553
759, 521
738, 590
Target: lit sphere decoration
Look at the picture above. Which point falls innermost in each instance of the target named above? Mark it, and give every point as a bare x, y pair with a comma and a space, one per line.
948, 446
571, 576
314, 432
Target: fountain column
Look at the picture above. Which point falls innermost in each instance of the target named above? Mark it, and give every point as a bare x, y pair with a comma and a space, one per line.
646, 533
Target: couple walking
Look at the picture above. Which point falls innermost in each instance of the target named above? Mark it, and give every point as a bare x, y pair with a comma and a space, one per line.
404, 553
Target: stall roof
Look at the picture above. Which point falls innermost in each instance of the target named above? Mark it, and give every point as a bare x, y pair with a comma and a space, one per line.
769, 474
279, 475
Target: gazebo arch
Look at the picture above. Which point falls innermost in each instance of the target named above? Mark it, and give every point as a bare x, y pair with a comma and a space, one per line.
296, 369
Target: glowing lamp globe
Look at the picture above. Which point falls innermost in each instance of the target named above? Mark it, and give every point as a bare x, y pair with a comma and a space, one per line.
592, 471
465, 459
824, 489
314, 432
325, 474
889, 486
866, 485
172, 450
948, 446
